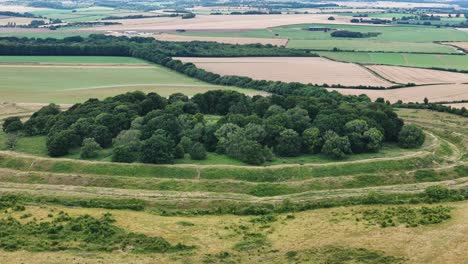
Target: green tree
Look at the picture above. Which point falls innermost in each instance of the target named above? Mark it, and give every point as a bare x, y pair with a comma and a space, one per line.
311, 140
179, 152
337, 147
89, 149
197, 151
411, 136
374, 139
124, 153
289, 143
60, 143
298, 118
12, 124
158, 149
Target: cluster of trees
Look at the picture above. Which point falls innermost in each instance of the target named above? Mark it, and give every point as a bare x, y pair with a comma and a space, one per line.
152, 129
353, 34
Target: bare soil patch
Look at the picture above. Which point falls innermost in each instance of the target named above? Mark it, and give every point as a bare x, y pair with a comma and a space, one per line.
435, 93
289, 69
222, 22
418, 76
228, 40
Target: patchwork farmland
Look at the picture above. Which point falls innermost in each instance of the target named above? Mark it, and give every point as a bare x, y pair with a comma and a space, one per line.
226, 132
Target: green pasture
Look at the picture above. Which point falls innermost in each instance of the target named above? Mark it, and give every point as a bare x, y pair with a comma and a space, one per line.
71, 84
459, 62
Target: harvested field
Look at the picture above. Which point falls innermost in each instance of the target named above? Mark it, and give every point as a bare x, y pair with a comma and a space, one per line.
391, 4
458, 105
435, 93
461, 45
228, 22
21, 9
228, 40
288, 69
418, 76
17, 20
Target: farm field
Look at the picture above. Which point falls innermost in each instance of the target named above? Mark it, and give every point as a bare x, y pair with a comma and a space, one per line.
417, 75
76, 79
289, 69
462, 45
219, 23
392, 38
228, 40
435, 93
16, 20
458, 62
458, 105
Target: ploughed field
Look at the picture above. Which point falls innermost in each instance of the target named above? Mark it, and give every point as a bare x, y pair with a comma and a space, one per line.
69, 79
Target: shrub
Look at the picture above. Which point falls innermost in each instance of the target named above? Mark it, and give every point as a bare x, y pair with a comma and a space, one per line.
89, 149
411, 136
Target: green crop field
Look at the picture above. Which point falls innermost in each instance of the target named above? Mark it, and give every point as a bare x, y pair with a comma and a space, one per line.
458, 62
392, 38
75, 83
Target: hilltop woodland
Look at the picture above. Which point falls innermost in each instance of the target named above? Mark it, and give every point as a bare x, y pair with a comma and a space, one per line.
297, 119
152, 129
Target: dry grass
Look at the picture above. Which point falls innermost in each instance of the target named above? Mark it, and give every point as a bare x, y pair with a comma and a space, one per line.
288, 69
443, 243
435, 93
418, 76
226, 22
228, 40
